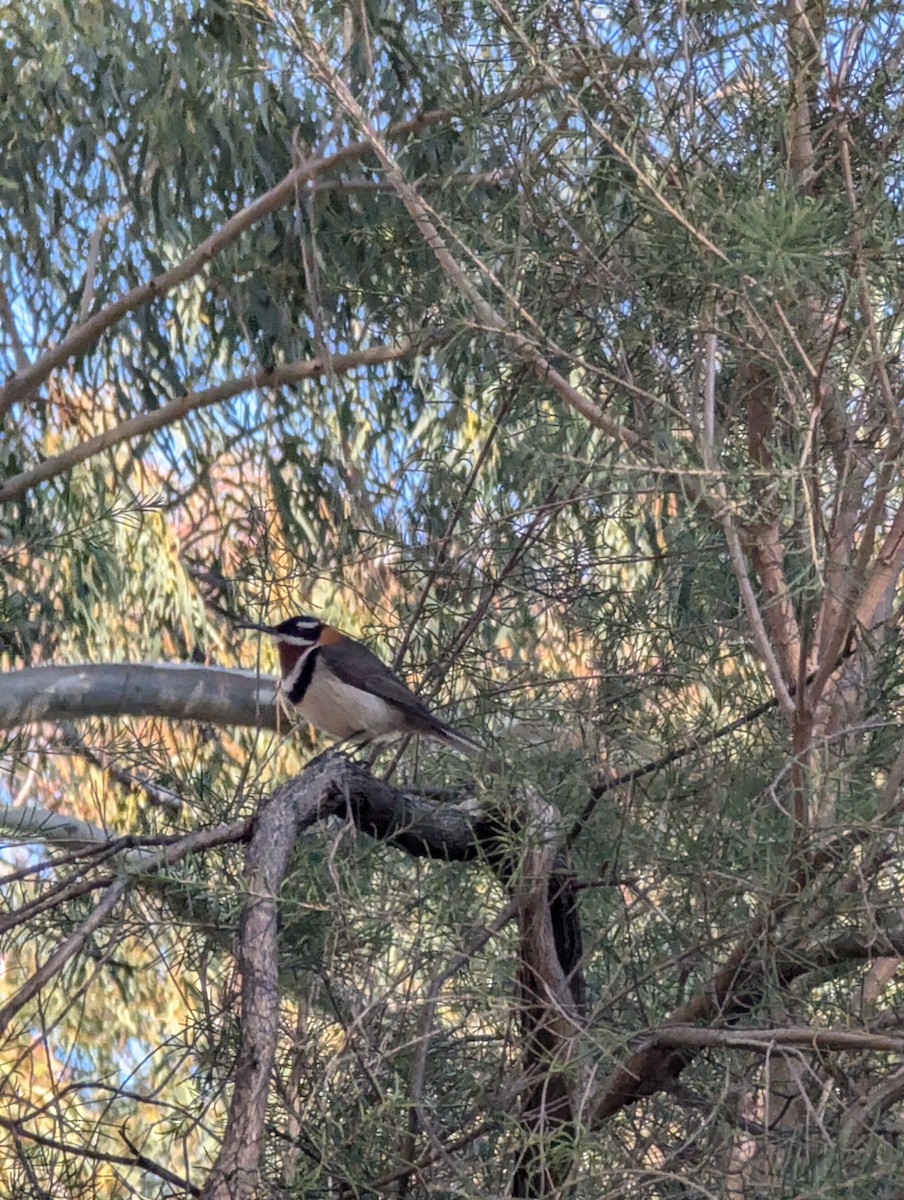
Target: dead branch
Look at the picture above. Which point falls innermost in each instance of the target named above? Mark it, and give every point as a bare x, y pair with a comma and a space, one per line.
550, 942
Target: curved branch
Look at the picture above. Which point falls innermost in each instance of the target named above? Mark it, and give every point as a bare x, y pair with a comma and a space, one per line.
335, 784
655, 1065
331, 784
182, 692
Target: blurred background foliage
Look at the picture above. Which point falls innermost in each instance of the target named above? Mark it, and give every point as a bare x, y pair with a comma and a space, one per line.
624, 180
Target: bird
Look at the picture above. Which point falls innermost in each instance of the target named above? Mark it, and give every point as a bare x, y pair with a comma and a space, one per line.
344, 689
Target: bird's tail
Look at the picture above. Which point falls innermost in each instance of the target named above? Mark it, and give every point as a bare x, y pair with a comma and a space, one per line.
467, 745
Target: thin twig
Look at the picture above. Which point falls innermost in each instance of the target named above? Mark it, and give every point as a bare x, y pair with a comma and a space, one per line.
766, 1040
18, 1129
64, 952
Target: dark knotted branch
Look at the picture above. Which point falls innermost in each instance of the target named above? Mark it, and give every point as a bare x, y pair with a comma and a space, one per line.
550, 971
549, 974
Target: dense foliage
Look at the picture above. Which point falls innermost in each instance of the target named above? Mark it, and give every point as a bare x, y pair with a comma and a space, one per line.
556, 351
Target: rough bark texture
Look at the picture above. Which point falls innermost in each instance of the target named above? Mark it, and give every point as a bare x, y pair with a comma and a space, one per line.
550, 973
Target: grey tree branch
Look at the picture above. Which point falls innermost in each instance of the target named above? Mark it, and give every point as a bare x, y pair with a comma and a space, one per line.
184, 692
31, 823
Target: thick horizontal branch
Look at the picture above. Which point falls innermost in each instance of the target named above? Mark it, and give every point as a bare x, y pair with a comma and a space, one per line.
182, 692
220, 696
167, 414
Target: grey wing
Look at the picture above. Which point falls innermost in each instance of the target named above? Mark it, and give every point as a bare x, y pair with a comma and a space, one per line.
356, 665
359, 667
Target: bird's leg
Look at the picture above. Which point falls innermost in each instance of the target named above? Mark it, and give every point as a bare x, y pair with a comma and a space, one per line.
362, 749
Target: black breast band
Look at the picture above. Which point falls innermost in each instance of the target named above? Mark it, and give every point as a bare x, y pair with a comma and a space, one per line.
297, 692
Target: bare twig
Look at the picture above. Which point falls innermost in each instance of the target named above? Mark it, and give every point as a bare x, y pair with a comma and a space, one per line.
98, 757
754, 616
64, 952
418, 1075
19, 1129
766, 1040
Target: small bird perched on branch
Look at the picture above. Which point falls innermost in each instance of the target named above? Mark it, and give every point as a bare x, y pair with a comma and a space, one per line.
340, 686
